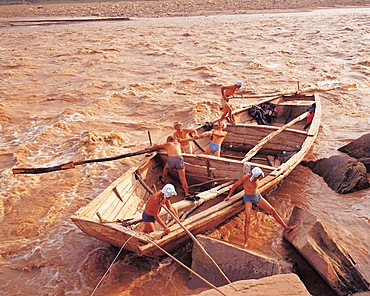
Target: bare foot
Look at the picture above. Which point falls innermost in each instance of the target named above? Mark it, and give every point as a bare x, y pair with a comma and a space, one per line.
245, 245
290, 228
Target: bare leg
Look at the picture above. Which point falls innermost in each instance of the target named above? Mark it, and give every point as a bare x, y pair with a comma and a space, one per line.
183, 181
231, 116
208, 150
224, 114
149, 227
264, 204
248, 210
217, 153
165, 173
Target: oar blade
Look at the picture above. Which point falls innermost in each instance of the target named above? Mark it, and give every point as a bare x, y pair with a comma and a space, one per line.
66, 166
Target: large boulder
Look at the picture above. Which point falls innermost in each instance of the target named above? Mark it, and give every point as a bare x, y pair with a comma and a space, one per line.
359, 149
314, 242
342, 173
281, 284
236, 263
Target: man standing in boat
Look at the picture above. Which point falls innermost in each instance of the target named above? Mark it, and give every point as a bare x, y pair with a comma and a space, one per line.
153, 208
252, 197
217, 136
175, 161
183, 133
226, 93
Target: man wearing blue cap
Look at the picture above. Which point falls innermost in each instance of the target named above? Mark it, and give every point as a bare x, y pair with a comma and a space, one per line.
153, 208
226, 92
253, 197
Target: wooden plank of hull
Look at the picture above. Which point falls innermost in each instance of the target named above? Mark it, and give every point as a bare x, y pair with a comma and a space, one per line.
250, 135
178, 237
266, 139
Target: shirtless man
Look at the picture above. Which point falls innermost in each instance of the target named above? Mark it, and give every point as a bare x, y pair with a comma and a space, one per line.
253, 197
175, 160
218, 136
183, 133
226, 92
153, 208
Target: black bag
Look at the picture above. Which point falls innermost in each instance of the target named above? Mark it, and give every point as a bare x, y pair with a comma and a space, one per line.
256, 113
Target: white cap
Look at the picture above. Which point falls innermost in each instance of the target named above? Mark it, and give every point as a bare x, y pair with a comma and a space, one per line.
246, 168
239, 83
169, 190
256, 172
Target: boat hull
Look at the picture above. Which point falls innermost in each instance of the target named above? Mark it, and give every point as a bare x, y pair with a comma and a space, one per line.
114, 216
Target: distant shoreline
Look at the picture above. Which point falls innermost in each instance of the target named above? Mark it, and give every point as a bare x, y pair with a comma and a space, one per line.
159, 8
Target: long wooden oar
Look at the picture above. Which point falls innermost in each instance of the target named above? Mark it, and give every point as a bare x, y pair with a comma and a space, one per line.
183, 265
72, 164
262, 142
198, 244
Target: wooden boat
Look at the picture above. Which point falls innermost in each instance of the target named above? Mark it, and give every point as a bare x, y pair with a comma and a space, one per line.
114, 216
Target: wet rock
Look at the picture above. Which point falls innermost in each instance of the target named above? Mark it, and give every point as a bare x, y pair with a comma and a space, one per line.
281, 284
236, 263
342, 173
359, 149
314, 242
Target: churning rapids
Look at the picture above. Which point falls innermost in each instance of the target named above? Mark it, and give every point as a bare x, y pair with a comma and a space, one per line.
92, 90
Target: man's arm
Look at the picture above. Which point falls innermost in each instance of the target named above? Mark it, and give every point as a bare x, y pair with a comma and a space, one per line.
235, 185
192, 131
159, 220
160, 146
170, 207
205, 134
223, 88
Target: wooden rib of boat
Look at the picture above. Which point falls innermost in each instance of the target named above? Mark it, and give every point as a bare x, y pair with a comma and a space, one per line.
114, 216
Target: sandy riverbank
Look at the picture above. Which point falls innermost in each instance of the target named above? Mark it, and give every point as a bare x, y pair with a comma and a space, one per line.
156, 8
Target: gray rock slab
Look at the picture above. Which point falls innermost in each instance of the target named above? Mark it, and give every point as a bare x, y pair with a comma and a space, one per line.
236, 263
315, 243
342, 173
281, 284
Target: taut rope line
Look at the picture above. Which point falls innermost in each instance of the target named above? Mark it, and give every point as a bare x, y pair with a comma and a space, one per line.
109, 268
183, 265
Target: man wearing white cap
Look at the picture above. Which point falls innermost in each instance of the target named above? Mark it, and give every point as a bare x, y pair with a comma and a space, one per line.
253, 197
226, 92
153, 207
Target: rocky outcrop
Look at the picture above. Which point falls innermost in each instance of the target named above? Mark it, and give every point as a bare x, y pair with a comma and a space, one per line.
359, 149
342, 173
282, 285
314, 242
236, 263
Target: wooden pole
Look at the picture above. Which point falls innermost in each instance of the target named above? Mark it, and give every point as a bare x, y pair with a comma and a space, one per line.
187, 268
198, 244
262, 142
72, 164
150, 138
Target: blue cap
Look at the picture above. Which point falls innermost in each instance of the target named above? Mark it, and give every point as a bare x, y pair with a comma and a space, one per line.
239, 83
168, 191
256, 172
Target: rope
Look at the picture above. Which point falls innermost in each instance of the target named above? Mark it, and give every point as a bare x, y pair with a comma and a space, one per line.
110, 267
164, 251
187, 268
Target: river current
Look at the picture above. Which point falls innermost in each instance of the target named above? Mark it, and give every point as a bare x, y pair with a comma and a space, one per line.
93, 90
